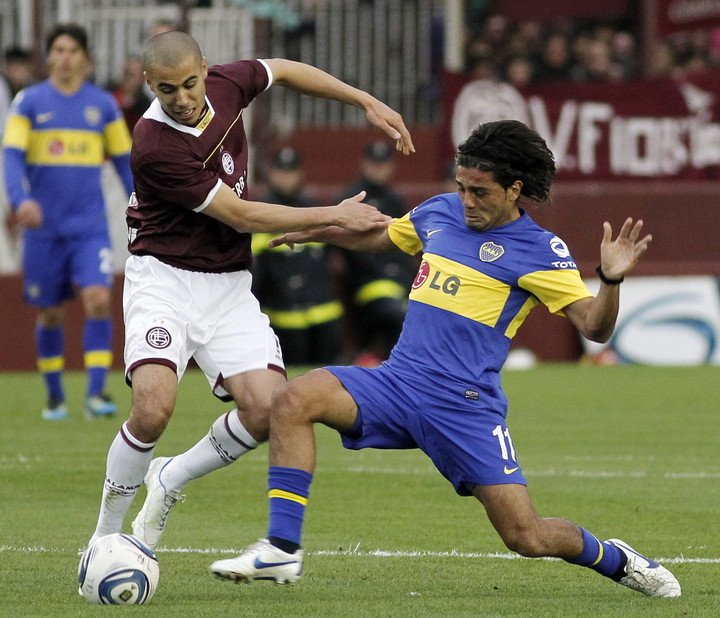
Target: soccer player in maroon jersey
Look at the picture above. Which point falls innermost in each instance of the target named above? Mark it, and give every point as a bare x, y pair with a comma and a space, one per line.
187, 281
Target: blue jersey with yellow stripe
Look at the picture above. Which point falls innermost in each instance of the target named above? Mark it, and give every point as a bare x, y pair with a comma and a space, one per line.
471, 294
55, 146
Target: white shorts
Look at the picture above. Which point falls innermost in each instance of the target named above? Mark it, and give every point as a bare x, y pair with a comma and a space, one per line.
172, 315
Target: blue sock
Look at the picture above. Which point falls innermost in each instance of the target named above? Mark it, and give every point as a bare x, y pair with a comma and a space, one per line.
599, 556
288, 490
97, 341
50, 347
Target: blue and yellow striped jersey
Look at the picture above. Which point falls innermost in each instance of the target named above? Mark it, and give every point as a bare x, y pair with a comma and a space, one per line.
55, 146
471, 294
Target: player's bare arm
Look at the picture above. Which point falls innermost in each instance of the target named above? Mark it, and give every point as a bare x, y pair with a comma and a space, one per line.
595, 317
374, 241
248, 216
315, 82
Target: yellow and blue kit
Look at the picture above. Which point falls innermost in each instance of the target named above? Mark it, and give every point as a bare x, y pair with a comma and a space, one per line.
440, 389
54, 148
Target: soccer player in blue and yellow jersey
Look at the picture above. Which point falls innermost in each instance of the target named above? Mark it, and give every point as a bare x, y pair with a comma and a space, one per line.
485, 265
57, 137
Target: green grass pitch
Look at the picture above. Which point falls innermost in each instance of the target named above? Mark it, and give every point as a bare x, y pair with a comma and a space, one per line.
628, 452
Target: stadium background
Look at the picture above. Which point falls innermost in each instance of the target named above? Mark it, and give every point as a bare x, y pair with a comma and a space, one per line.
644, 148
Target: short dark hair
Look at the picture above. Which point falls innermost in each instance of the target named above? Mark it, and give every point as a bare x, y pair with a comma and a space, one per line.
74, 31
511, 151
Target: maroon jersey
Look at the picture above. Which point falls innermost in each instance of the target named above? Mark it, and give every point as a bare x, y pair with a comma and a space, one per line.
178, 169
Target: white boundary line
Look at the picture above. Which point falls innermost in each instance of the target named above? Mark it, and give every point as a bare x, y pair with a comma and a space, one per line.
375, 553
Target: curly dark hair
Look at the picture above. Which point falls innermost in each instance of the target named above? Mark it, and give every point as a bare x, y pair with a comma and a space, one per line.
511, 151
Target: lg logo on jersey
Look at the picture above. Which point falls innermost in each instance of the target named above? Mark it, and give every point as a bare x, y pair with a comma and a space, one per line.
447, 285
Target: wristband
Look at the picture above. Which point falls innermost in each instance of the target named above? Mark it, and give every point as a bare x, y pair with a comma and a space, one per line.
605, 279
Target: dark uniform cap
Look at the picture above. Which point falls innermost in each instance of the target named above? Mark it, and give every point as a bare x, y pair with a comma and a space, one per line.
286, 159
379, 152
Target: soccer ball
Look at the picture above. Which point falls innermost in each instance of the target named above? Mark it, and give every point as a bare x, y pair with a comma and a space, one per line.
117, 569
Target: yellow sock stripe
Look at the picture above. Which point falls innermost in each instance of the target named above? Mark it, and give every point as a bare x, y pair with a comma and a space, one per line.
51, 364
98, 358
286, 495
600, 555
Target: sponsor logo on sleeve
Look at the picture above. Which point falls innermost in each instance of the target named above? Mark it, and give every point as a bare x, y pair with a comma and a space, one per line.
560, 249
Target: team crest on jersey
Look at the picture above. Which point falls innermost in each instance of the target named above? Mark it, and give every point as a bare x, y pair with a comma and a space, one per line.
559, 247
92, 115
228, 163
158, 337
489, 252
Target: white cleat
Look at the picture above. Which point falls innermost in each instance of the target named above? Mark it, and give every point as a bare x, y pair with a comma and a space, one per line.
261, 560
150, 522
645, 575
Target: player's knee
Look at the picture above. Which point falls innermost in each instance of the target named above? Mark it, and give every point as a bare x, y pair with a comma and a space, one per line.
149, 416
96, 302
51, 317
289, 403
524, 541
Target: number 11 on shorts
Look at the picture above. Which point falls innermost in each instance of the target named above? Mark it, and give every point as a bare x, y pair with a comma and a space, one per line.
506, 446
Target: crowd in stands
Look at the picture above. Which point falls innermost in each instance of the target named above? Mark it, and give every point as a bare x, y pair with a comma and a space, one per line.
531, 52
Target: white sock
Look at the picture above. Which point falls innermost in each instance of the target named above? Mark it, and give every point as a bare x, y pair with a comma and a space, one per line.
226, 441
128, 460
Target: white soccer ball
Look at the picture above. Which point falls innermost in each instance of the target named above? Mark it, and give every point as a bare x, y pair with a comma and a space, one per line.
117, 569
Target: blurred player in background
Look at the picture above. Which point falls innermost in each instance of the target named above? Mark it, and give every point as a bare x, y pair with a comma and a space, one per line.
485, 265
295, 287
187, 281
377, 285
57, 137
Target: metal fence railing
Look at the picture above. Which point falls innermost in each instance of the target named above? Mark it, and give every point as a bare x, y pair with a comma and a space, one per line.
390, 48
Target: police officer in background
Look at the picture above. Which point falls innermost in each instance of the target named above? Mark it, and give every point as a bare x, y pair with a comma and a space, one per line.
295, 286
377, 284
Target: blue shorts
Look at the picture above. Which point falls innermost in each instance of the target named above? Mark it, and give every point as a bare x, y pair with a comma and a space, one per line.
467, 445
53, 266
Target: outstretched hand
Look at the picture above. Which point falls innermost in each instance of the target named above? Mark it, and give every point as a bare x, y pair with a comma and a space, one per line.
356, 216
618, 257
388, 120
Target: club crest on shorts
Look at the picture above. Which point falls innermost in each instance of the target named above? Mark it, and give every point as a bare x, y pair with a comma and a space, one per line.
489, 251
158, 337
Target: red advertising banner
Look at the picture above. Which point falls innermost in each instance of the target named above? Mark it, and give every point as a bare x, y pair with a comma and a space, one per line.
644, 129
679, 15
